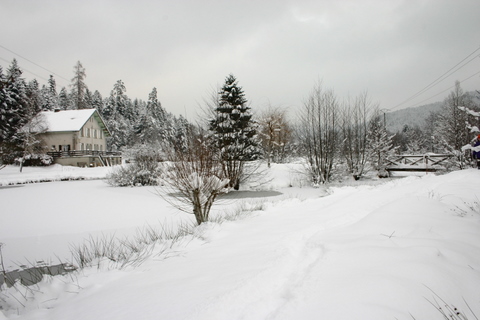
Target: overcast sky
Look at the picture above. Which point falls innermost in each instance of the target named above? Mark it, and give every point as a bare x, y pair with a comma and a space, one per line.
277, 49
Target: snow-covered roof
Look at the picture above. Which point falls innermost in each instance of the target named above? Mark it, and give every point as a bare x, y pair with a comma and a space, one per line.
70, 120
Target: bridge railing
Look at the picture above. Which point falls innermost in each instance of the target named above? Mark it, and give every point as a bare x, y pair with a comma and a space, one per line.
425, 162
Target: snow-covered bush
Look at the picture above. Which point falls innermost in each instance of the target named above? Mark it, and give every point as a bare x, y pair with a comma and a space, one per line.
133, 175
35, 160
143, 171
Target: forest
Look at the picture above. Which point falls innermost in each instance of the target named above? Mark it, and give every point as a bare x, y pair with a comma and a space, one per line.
336, 136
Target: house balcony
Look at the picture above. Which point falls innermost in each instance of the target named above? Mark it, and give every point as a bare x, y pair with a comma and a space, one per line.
86, 158
83, 153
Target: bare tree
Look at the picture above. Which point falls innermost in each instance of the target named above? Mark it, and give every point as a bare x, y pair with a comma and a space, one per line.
319, 132
275, 133
451, 127
379, 143
30, 135
193, 179
355, 119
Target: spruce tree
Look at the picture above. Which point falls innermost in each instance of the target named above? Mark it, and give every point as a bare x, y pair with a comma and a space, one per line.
49, 95
13, 109
34, 97
233, 131
97, 101
63, 99
151, 127
120, 117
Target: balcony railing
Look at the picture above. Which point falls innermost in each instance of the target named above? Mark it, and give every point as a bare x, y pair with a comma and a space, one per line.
82, 153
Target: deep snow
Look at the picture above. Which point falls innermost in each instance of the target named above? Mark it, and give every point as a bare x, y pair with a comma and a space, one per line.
360, 252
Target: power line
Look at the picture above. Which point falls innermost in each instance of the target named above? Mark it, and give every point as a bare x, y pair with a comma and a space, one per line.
441, 78
23, 69
473, 75
51, 72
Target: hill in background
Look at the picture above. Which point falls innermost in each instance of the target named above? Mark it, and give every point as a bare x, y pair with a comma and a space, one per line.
416, 116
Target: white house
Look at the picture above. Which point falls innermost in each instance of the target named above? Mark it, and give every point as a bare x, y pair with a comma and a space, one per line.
77, 138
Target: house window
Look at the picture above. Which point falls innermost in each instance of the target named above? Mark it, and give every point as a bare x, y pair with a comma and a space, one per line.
95, 133
101, 147
82, 147
81, 132
88, 132
101, 134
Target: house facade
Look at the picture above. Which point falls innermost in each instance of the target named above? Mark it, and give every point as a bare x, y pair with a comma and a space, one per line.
78, 138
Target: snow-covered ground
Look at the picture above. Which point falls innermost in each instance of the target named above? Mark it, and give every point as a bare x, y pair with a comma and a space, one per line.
346, 252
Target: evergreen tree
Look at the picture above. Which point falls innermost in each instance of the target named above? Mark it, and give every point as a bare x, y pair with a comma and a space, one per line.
120, 117
34, 97
13, 110
63, 99
152, 125
233, 131
123, 104
154, 107
182, 129
49, 95
97, 102
52, 86
78, 87
415, 140
88, 99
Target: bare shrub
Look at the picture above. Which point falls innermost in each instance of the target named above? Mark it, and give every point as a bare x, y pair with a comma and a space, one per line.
192, 180
320, 133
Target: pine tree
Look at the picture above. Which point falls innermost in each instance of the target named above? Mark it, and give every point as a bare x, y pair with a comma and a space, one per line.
78, 87
233, 131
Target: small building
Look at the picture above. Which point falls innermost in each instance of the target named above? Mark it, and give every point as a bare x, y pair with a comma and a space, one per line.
77, 138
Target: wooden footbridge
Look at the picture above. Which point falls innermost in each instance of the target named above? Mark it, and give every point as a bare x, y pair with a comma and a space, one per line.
416, 163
